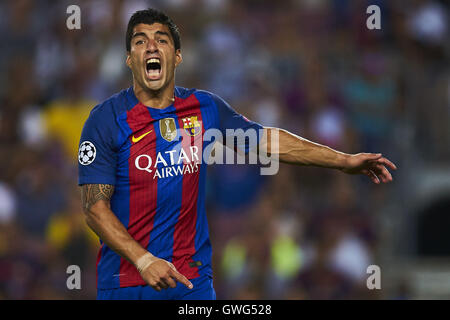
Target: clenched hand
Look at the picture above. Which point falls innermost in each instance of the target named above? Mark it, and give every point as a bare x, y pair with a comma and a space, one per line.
161, 274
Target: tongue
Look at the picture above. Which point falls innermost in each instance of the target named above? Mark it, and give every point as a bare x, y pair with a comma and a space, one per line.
153, 73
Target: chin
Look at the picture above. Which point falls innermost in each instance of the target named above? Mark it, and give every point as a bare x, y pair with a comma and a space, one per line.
153, 85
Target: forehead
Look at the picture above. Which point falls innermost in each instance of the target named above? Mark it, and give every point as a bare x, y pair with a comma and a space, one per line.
150, 29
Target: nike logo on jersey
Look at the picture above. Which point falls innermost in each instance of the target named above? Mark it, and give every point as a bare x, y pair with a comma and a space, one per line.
135, 140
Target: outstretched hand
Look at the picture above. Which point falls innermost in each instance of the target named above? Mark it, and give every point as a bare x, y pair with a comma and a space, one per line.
375, 166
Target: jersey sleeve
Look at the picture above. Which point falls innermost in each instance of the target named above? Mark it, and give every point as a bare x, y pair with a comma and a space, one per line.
96, 154
230, 122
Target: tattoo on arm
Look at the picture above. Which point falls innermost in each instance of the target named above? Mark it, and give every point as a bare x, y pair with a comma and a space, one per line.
91, 193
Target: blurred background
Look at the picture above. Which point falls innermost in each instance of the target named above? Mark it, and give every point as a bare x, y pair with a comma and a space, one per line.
309, 66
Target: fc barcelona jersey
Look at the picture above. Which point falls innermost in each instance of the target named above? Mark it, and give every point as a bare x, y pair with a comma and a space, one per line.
154, 159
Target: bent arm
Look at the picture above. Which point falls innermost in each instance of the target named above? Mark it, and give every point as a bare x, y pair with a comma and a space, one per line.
158, 273
100, 218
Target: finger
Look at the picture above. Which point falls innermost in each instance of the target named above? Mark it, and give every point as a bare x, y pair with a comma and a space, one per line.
172, 266
372, 176
180, 278
156, 287
162, 284
373, 156
383, 173
388, 163
386, 174
170, 282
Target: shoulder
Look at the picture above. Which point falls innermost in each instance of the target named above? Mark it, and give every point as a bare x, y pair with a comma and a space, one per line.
182, 92
108, 110
206, 97
102, 122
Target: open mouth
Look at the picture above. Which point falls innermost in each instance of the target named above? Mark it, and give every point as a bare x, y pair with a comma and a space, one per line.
153, 68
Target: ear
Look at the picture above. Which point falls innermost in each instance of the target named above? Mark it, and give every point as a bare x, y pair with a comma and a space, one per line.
178, 58
128, 60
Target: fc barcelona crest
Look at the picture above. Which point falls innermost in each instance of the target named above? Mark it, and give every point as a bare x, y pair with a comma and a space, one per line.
192, 126
168, 129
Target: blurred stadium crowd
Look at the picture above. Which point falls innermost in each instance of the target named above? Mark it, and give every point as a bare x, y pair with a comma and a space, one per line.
311, 67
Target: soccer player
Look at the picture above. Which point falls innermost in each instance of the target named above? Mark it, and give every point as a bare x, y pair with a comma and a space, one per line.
143, 179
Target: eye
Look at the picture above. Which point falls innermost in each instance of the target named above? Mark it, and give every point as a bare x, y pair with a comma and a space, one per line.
162, 41
139, 42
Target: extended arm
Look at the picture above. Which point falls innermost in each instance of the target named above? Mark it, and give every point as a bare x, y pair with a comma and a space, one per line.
297, 150
156, 272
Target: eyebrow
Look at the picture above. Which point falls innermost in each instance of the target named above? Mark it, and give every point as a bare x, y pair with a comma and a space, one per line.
138, 34
142, 34
162, 33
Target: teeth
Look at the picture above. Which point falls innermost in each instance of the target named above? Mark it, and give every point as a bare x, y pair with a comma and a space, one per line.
153, 60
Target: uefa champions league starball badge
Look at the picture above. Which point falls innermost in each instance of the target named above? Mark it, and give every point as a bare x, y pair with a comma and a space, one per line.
86, 153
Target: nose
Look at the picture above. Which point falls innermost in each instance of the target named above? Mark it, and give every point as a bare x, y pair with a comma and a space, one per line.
151, 46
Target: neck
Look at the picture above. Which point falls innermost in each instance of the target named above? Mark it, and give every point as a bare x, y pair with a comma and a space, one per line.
158, 99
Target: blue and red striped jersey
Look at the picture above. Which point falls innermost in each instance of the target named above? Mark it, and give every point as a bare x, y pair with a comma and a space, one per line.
153, 157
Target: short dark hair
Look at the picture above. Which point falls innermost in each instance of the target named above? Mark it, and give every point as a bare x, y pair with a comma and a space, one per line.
151, 16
